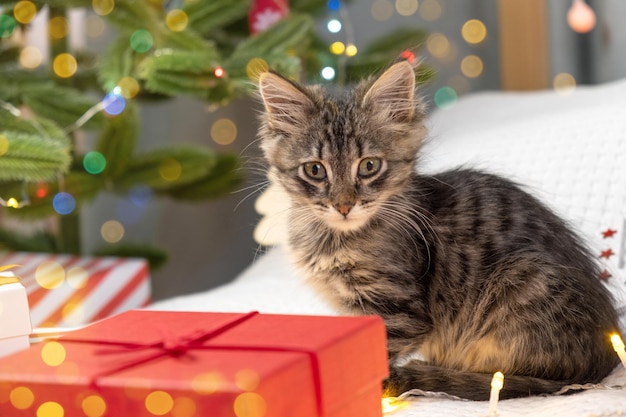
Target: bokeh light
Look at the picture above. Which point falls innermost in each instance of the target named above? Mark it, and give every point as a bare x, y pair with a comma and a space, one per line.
24, 11
64, 65
177, 20
351, 50
333, 5
581, 17
141, 41
103, 7
337, 48
406, 7
50, 409
94, 162
334, 26
7, 25
460, 84
30, 57
112, 231
94, 406
129, 87
58, 27
430, 10
219, 72
247, 379
564, 83
438, 45
255, 67
382, 10
170, 169
13, 203
63, 203
474, 31
4, 144
472, 66
94, 26
21, 398
184, 407
42, 190
50, 275
159, 403
53, 353
224, 131
445, 97
76, 277
140, 195
328, 73
207, 383
250, 404
114, 103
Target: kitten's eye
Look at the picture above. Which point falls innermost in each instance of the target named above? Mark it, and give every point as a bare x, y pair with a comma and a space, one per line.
315, 170
369, 167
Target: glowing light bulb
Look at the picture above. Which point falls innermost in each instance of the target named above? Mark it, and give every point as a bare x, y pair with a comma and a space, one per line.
393, 404
333, 25
328, 73
12, 202
497, 382
620, 349
219, 72
580, 17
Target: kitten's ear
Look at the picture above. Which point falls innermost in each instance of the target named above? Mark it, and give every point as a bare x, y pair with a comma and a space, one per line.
394, 92
286, 106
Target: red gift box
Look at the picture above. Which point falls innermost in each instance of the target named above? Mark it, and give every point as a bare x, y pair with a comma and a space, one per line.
68, 290
146, 363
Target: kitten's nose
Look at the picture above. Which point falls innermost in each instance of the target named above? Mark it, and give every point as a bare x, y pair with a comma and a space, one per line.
343, 208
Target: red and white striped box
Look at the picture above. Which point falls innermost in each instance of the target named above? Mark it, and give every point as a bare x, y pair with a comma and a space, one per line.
68, 290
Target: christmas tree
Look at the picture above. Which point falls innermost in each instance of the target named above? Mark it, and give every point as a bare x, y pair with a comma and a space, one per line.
210, 50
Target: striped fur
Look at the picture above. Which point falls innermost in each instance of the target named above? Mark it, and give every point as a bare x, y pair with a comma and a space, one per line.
469, 272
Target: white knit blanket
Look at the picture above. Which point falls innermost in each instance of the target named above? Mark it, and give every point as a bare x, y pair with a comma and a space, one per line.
569, 150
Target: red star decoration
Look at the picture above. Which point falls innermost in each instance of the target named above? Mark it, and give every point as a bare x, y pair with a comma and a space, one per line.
608, 233
604, 275
607, 253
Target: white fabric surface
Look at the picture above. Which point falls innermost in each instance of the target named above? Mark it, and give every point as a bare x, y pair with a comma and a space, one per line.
569, 150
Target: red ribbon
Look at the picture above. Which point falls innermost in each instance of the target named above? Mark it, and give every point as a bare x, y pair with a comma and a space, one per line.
180, 346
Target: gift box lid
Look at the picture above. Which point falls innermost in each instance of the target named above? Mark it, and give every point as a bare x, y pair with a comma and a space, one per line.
293, 365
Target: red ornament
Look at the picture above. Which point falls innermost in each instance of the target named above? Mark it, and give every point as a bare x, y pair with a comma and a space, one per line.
608, 233
607, 253
604, 275
264, 13
409, 56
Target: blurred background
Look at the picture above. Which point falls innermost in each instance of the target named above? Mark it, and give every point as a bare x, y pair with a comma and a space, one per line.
466, 46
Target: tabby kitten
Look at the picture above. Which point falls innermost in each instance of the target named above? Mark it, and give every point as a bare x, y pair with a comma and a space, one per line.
466, 269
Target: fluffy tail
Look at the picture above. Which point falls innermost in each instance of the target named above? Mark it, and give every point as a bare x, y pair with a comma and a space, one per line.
470, 385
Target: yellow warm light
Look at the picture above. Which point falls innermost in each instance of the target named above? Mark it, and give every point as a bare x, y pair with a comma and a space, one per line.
113, 231
21, 398
564, 83
50, 275
50, 409
94, 406
24, 11
247, 379
618, 346
255, 67
351, 50
474, 31
337, 48
472, 66
13, 203
129, 86
430, 10
438, 45
184, 407
392, 404
64, 65
53, 353
224, 131
159, 403
381, 10
207, 383
30, 57
176, 20
170, 170
250, 404
58, 27
406, 7
103, 7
